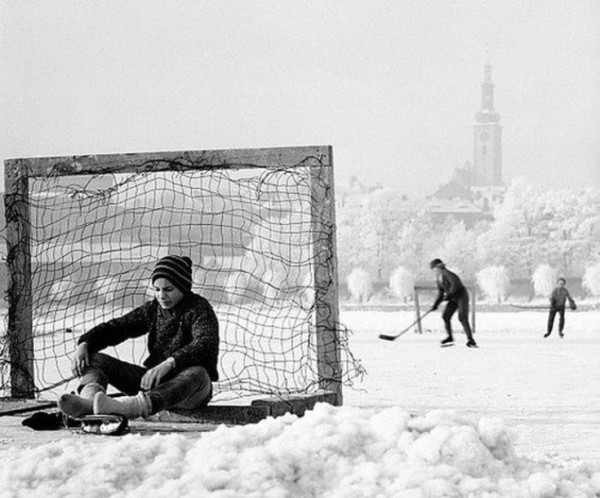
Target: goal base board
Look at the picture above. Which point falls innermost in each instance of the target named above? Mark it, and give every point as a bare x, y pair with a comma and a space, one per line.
251, 412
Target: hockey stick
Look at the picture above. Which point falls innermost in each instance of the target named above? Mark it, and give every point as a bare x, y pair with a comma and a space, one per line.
394, 337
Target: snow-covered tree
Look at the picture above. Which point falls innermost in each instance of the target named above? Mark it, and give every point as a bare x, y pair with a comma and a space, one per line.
591, 279
458, 245
494, 282
544, 280
518, 235
414, 243
569, 214
367, 233
360, 285
402, 283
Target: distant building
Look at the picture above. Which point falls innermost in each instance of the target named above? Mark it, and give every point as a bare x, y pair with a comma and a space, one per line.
476, 189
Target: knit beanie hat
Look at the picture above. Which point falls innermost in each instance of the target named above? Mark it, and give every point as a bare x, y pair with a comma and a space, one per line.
436, 263
177, 270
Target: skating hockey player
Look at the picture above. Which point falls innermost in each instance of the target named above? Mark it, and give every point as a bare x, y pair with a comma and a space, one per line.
451, 289
558, 299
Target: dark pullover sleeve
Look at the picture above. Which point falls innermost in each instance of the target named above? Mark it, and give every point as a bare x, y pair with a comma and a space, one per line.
115, 331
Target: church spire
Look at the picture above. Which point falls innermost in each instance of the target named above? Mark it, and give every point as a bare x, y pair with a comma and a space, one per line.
487, 160
487, 114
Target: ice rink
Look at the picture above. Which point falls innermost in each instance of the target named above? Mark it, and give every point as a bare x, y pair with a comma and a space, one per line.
547, 390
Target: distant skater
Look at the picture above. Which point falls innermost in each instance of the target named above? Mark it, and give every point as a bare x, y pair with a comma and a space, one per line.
451, 289
558, 299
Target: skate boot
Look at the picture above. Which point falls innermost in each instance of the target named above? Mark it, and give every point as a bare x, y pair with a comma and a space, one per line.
471, 343
448, 341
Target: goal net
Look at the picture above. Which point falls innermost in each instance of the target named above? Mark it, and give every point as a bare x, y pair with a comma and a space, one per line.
83, 235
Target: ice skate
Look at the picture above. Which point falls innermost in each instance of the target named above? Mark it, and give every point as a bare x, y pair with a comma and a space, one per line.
106, 425
447, 342
472, 344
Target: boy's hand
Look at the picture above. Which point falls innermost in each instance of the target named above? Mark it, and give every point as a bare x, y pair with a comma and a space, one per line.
153, 376
81, 359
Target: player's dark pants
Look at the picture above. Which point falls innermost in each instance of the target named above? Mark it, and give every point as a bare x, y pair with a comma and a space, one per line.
188, 389
561, 319
460, 303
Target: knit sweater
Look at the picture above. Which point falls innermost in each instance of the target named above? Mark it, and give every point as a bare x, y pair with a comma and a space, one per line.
189, 333
449, 286
559, 298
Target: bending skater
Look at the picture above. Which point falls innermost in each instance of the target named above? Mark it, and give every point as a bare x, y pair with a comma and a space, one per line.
451, 289
183, 346
558, 300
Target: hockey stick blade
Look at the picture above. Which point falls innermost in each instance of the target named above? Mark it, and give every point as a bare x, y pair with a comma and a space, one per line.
394, 337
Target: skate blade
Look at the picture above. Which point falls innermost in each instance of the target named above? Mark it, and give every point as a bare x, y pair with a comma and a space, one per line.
447, 345
107, 425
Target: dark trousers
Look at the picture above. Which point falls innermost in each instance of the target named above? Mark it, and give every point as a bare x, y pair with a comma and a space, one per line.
561, 319
188, 389
460, 303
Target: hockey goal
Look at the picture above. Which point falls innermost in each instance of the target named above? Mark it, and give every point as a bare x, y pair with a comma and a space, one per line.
83, 234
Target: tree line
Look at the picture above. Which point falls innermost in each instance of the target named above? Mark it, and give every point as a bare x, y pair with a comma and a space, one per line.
533, 226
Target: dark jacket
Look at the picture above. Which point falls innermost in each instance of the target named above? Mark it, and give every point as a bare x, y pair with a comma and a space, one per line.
450, 287
189, 333
559, 298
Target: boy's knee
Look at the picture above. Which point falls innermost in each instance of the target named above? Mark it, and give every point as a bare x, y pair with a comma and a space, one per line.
95, 373
98, 360
195, 374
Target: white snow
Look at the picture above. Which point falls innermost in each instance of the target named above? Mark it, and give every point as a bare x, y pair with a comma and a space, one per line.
337, 452
506, 420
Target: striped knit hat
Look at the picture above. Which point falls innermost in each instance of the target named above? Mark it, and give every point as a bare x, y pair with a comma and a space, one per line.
177, 270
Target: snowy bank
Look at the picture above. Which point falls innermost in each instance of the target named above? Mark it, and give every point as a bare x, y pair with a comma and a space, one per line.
333, 452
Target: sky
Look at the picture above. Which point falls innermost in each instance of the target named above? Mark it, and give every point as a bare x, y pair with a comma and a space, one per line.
393, 86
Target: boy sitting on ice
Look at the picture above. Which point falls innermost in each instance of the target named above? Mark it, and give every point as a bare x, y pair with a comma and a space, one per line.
183, 346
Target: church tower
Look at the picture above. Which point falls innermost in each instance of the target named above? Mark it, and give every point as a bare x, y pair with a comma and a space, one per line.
487, 160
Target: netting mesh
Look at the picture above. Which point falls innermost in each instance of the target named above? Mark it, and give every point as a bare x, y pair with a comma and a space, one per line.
251, 234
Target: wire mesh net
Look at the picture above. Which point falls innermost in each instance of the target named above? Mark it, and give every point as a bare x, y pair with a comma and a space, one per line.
251, 233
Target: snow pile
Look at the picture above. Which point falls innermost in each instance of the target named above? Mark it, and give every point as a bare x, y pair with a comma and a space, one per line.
334, 452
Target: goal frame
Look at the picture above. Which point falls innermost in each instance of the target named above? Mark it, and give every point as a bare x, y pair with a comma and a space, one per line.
18, 239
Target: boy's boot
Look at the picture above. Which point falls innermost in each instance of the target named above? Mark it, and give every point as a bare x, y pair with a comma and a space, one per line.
448, 341
127, 406
75, 405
